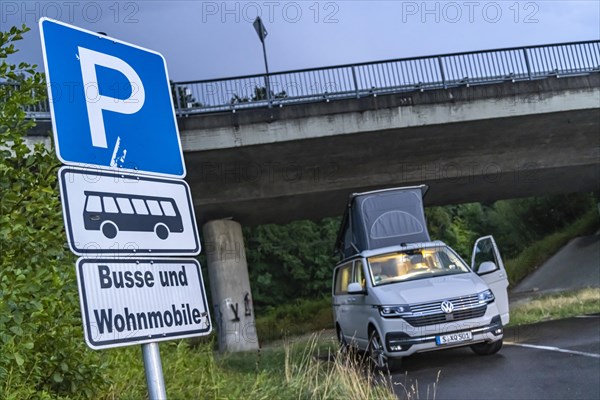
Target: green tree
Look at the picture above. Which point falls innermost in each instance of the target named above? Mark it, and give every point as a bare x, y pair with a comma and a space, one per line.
182, 97
515, 223
289, 262
42, 352
260, 93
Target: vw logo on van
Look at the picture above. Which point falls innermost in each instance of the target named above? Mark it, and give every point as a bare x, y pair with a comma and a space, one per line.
447, 307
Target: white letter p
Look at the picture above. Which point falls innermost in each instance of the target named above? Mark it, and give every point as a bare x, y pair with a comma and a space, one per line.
89, 59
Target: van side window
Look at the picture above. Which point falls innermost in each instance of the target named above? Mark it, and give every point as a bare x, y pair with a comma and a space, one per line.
358, 274
484, 252
342, 279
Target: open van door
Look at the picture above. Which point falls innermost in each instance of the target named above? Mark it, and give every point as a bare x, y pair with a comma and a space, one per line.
487, 263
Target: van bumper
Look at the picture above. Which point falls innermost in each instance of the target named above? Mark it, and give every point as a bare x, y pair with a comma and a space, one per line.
401, 344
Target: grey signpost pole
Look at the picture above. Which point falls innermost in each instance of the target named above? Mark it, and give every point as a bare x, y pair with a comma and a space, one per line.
154, 373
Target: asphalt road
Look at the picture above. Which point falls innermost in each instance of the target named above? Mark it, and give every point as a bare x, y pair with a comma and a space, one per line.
548, 360
575, 266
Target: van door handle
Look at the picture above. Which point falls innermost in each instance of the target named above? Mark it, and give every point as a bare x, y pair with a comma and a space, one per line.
351, 300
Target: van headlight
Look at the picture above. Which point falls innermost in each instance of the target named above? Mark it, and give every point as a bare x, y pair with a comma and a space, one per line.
486, 296
394, 311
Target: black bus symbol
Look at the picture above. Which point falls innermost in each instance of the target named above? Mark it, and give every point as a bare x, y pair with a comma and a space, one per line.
112, 212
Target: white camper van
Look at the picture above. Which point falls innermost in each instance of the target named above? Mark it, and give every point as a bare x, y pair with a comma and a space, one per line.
396, 292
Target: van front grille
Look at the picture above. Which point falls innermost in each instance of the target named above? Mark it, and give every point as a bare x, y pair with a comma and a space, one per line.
434, 307
441, 317
465, 307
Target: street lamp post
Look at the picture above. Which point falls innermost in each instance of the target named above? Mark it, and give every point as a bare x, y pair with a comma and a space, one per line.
262, 34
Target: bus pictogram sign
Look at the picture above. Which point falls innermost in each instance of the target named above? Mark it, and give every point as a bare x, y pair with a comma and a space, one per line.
110, 213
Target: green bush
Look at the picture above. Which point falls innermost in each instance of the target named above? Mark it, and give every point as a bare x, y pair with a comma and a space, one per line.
288, 262
515, 224
42, 351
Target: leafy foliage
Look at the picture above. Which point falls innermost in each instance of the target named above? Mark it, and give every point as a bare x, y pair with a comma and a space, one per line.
287, 262
293, 319
260, 93
42, 352
182, 97
515, 224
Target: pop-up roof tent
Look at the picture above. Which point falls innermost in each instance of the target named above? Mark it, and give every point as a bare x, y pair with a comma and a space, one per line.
382, 218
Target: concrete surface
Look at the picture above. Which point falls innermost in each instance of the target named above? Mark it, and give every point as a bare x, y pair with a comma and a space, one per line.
469, 144
233, 309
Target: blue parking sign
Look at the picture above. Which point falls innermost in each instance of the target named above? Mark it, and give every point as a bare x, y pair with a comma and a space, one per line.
110, 102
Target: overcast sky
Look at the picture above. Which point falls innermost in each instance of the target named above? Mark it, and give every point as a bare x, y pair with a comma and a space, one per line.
212, 39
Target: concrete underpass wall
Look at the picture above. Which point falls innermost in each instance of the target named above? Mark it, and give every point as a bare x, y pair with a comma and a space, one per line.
469, 144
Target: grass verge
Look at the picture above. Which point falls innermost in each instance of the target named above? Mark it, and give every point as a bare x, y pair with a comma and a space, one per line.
556, 306
533, 256
301, 317
307, 370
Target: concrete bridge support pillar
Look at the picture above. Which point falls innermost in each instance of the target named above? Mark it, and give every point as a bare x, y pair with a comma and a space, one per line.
233, 310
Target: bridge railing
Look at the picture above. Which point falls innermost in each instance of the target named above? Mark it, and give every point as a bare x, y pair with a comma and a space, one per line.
390, 76
40, 110
380, 77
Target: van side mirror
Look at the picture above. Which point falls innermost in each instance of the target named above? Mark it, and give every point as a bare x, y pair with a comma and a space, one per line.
356, 288
485, 267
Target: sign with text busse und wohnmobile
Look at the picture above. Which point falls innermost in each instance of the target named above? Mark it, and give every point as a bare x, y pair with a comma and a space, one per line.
125, 302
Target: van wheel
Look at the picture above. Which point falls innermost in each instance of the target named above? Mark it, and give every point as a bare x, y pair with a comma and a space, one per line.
109, 229
487, 348
379, 361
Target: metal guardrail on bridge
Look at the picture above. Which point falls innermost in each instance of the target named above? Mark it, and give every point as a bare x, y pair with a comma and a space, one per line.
390, 76
381, 77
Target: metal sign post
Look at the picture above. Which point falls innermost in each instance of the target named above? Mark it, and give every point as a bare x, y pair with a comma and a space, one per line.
154, 373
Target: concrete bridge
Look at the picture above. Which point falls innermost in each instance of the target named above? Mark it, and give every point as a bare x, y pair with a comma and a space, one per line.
477, 126
478, 143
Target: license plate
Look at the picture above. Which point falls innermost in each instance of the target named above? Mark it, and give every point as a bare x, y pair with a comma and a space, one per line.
453, 338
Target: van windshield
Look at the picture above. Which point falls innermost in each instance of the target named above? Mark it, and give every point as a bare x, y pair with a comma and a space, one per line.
415, 264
